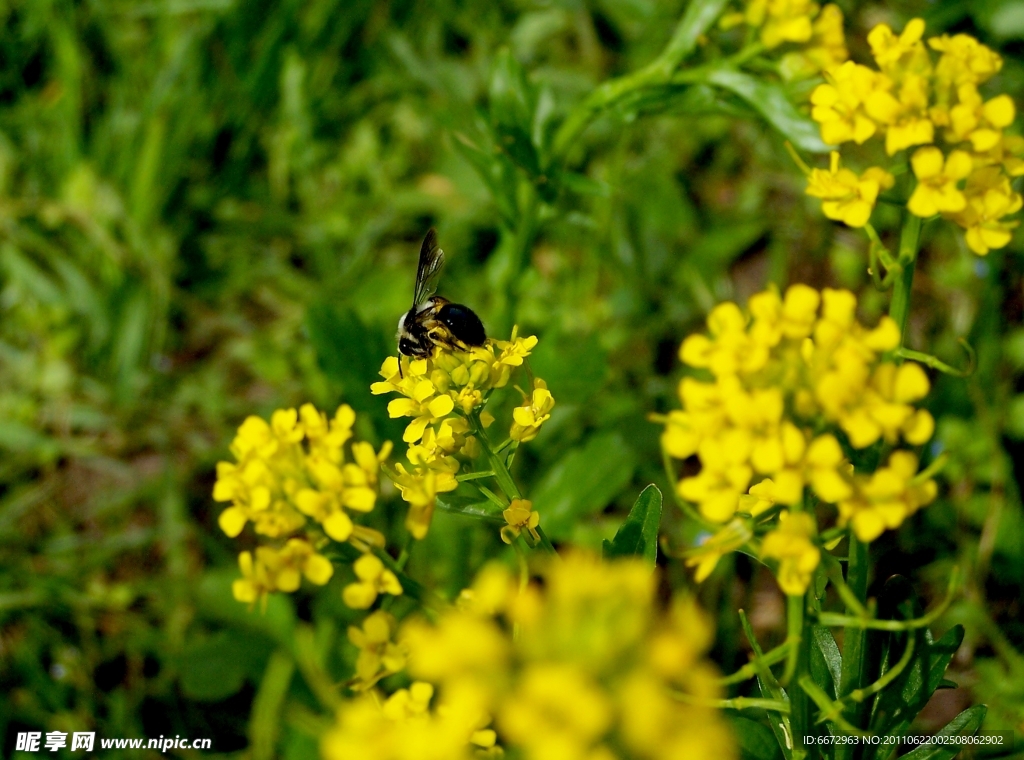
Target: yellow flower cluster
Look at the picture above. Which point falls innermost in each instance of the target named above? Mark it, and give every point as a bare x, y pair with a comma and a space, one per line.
596, 670
789, 379
781, 376
279, 570
289, 472
887, 497
817, 30
445, 396
914, 100
791, 544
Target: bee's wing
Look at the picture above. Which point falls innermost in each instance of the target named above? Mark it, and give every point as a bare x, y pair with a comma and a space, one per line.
431, 261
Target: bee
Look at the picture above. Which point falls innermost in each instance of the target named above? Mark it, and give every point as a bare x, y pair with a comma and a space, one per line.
433, 320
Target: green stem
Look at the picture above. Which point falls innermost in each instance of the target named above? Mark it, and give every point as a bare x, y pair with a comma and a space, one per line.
854, 637
751, 669
910, 238
865, 623
797, 638
737, 703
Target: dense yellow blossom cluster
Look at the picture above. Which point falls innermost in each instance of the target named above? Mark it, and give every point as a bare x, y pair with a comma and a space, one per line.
791, 381
595, 671
816, 31
923, 95
293, 474
445, 396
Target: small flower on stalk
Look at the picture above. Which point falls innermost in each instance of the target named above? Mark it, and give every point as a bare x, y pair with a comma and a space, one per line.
520, 516
378, 655
727, 540
374, 579
530, 416
280, 570
936, 190
845, 196
790, 543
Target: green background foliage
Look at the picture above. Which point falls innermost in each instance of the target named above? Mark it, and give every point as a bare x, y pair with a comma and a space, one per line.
211, 208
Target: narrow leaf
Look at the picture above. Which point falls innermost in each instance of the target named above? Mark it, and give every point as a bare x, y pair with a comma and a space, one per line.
755, 740
966, 723
638, 535
771, 102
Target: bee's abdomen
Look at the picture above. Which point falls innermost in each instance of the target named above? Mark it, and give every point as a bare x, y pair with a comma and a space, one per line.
462, 323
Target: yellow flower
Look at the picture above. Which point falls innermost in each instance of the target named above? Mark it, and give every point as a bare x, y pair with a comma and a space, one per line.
724, 477
790, 543
373, 579
979, 122
729, 350
255, 582
425, 405
825, 50
378, 655
990, 198
727, 540
839, 105
528, 418
846, 197
419, 488
964, 60
588, 674
895, 53
782, 20
518, 517
886, 498
296, 466
280, 570
936, 190
791, 317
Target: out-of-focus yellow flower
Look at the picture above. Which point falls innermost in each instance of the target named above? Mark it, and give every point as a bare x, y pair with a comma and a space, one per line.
727, 540
790, 543
990, 198
528, 418
963, 60
825, 50
782, 20
887, 497
937, 179
379, 656
845, 196
279, 570
520, 516
373, 579
588, 675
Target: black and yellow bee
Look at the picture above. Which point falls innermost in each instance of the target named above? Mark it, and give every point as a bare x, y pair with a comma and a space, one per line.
432, 320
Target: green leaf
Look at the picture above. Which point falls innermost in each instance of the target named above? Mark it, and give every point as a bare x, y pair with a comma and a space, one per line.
966, 723
583, 482
826, 660
466, 500
755, 740
899, 704
216, 602
638, 535
512, 103
347, 351
771, 102
211, 670
265, 720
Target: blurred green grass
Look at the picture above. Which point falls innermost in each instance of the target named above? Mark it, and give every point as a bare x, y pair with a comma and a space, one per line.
210, 209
